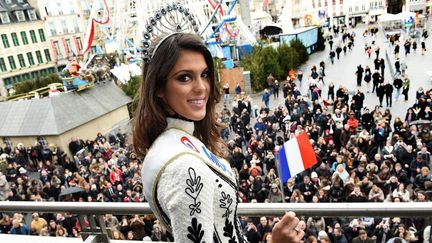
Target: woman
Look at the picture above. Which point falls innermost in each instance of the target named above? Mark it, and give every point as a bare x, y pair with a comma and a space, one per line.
117, 235
403, 233
368, 77
402, 193
190, 188
405, 87
297, 197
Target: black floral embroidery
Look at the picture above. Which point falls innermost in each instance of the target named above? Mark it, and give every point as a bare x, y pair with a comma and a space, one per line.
229, 231
195, 231
193, 190
226, 202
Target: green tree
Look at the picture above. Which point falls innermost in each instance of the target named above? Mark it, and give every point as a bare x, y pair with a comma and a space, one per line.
301, 50
30, 85
288, 58
321, 41
271, 62
132, 86
264, 60
254, 62
131, 89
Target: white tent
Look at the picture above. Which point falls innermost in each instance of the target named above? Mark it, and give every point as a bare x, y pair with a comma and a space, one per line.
387, 17
405, 15
125, 72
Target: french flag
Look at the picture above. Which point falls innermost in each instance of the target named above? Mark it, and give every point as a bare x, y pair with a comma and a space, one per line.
295, 156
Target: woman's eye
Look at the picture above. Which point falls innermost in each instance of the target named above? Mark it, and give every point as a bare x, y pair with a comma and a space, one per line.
184, 78
205, 75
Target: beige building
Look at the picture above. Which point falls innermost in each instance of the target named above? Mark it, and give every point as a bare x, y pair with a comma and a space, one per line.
65, 26
24, 49
57, 119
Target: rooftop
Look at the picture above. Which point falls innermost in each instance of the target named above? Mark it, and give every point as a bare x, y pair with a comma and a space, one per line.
59, 114
16, 11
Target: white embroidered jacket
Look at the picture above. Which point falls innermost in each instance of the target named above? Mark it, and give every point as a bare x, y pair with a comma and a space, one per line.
191, 191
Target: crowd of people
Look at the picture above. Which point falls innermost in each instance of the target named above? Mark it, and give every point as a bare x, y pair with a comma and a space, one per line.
364, 156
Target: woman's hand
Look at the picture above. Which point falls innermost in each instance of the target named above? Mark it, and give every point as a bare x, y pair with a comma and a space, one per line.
285, 230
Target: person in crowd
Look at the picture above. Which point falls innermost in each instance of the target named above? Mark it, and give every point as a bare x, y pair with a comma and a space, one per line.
19, 228
363, 237
388, 90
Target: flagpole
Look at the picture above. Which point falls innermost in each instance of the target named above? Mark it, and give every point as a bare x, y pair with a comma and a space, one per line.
281, 184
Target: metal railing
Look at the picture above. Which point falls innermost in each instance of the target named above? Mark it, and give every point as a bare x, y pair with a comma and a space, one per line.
97, 232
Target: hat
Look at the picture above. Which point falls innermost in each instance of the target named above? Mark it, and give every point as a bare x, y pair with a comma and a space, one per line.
12, 173
321, 234
273, 186
314, 175
22, 170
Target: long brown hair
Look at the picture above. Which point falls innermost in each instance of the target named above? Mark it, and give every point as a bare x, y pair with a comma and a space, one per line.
150, 115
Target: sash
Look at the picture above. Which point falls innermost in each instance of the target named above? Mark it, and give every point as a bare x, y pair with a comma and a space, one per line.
170, 145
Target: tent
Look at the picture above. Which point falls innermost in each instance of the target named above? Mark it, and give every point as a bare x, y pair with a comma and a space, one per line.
273, 29
124, 72
387, 17
407, 15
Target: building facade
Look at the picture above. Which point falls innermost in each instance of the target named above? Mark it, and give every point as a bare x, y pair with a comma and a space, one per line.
305, 13
65, 26
25, 51
416, 6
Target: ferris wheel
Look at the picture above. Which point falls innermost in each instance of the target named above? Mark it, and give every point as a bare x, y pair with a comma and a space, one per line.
123, 26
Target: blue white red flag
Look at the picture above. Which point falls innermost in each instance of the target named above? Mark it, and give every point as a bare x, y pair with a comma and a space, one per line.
295, 156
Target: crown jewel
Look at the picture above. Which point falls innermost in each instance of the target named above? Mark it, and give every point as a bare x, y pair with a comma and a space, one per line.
168, 20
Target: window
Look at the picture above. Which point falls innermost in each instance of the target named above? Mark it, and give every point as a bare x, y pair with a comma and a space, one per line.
12, 62
47, 55
75, 26
39, 57
52, 28
2, 64
79, 47
34, 74
4, 16
43, 72
8, 82
60, 9
33, 36
30, 58
21, 60
24, 37
64, 27
57, 50
67, 46
17, 79
15, 39
20, 16
26, 76
5, 41
363, 7
32, 14
42, 35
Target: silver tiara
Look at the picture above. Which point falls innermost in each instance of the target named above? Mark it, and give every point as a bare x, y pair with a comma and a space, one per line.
167, 21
